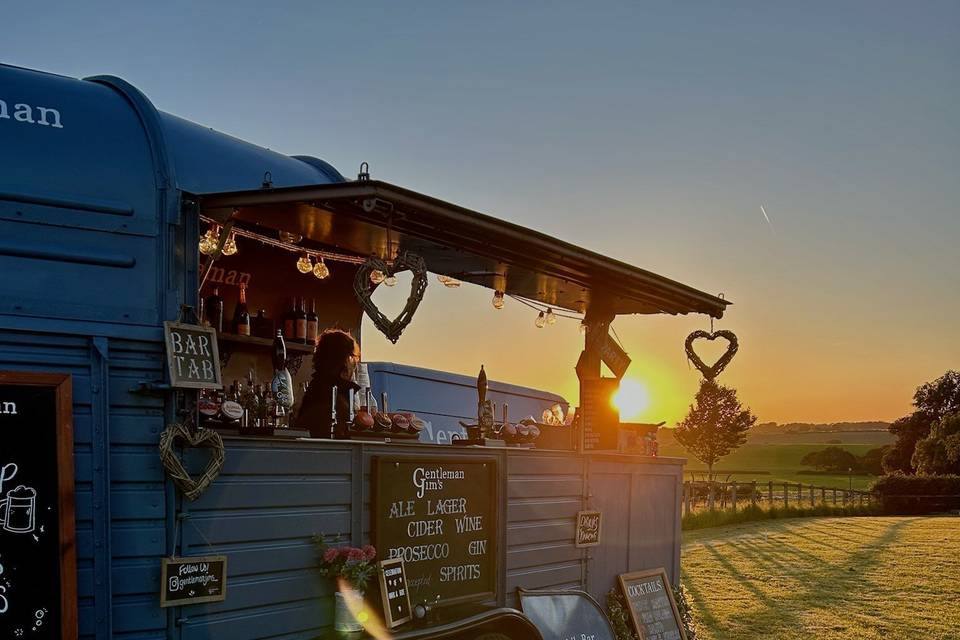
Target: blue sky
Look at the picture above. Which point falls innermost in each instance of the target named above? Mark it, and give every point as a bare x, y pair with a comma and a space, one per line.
649, 132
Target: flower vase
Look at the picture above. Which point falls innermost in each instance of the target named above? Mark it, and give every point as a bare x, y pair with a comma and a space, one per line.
343, 620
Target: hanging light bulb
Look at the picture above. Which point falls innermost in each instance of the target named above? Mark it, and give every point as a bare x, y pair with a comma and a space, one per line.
541, 321
390, 281
551, 317
447, 281
583, 328
377, 276
208, 243
230, 246
303, 264
498, 299
321, 270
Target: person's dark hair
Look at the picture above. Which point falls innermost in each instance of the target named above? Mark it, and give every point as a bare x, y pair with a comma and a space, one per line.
330, 356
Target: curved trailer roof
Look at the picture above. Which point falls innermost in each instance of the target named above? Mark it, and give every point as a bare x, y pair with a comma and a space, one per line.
465, 244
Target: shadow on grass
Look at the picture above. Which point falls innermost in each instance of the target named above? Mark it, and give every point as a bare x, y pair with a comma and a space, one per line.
826, 584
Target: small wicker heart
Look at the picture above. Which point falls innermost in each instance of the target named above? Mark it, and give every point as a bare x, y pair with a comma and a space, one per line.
712, 371
204, 438
363, 287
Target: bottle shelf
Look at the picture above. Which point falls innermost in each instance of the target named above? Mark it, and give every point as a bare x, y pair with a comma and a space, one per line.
292, 347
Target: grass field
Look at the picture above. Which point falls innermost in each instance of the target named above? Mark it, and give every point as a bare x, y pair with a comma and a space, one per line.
868, 578
777, 457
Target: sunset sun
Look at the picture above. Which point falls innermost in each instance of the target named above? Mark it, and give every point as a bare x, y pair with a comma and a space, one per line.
633, 399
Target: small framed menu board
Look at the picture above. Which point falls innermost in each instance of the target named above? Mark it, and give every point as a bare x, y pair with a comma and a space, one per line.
394, 593
193, 580
38, 574
651, 605
193, 359
588, 528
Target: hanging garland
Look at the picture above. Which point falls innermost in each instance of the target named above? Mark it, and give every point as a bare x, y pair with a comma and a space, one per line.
203, 438
363, 288
711, 371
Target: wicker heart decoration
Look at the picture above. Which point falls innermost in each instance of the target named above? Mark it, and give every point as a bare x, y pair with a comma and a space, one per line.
363, 287
204, 438
711, 372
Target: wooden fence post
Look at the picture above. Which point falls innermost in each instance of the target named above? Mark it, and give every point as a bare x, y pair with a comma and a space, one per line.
770, 493
733, 497
800, 494
834, 495
813, 501
786, 495
711, 496
686, 499
823, 496
753, 494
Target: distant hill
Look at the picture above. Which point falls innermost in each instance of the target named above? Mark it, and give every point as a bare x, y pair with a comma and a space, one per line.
768, 428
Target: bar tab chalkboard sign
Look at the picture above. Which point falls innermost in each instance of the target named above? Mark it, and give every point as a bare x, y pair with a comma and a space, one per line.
588, 528
652, 608
439, 514
193, 359
38, 575
192, 580
394, 593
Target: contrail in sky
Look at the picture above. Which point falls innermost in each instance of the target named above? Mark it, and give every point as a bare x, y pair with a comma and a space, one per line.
767, 218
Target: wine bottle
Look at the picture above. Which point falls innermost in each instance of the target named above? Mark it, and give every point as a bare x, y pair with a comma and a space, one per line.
289, 322
313, 323
241, 315
214, 309
301, 321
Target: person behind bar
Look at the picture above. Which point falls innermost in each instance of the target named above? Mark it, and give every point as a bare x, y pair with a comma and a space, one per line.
334, 362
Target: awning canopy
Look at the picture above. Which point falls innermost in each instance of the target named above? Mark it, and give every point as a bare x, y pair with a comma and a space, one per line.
354, 217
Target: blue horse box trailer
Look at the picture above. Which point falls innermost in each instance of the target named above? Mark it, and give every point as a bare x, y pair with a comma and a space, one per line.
103, 201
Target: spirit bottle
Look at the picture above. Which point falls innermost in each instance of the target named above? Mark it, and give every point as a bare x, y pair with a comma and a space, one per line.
241, 315
313, 323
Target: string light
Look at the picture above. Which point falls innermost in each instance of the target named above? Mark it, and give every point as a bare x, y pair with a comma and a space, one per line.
447, 281
304, 265
498, 299
390, 281
230, 246
541, 321
208, 243
551, 316
321, 270
377, 276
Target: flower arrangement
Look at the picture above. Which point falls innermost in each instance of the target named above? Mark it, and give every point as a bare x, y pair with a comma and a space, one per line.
352, 564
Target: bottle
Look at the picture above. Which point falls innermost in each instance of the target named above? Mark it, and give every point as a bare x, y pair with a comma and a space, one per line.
301, 321
313, 323
282, 384
214, 308
289, 322
241, 315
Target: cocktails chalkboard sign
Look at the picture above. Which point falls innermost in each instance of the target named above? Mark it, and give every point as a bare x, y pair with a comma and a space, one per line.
192, 580
651, 605
439, 514
38, 576
394, 593
565, 615
193, 359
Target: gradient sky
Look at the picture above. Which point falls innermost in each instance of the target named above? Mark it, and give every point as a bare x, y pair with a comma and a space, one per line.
650, 133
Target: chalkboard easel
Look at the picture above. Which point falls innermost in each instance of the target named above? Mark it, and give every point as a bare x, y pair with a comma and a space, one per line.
653, 611
38, 585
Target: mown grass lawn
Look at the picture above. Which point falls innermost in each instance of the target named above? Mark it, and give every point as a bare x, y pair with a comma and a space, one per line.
826, 578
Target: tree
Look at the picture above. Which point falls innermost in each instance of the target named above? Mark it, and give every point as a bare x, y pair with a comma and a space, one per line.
939, 452
834, 459
716, 424
933, 400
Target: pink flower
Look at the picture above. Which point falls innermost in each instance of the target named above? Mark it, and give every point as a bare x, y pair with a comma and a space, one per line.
329, 555
355, 555
369, 552
344, 552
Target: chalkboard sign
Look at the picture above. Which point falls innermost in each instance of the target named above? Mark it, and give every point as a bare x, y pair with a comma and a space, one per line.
614, 357
394, 593
565, 615
652, 608
588, 528
192, 580
600, 419
439, 514
38, 576
193, 359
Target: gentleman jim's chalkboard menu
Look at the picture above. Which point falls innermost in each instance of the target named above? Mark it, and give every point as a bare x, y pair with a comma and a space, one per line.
652, 609
38, 580
440, 515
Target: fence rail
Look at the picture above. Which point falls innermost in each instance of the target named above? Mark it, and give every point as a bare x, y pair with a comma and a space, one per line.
700, 495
